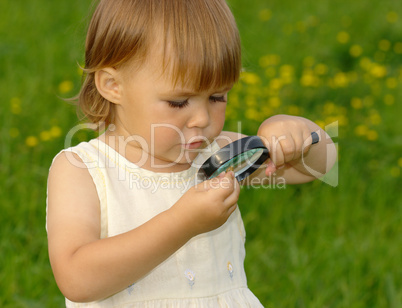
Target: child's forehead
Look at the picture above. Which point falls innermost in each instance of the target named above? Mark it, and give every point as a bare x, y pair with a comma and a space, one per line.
173, 78
170, 81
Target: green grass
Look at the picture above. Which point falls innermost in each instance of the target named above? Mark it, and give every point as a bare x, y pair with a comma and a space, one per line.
310, 245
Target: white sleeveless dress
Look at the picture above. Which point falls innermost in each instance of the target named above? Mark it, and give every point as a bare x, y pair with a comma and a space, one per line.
207, 271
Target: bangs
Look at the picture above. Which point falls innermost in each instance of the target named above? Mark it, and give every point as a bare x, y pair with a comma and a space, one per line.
201, 46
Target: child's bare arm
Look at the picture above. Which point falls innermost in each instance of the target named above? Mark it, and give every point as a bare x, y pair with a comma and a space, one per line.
87, 268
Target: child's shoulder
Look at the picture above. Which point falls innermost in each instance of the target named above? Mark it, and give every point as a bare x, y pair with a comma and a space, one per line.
76, 156
70, 168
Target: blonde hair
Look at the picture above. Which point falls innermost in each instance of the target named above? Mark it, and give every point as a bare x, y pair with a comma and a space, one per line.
200, 41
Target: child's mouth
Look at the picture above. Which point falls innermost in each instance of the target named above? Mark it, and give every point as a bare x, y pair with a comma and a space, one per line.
193, 145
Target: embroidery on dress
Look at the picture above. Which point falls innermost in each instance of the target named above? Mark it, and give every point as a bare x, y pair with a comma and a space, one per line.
190, 276
230, 270
130, 288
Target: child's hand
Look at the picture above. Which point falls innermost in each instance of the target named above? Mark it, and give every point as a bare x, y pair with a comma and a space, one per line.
287, 139
209, 204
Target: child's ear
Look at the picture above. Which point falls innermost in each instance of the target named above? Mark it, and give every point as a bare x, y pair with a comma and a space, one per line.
106, 81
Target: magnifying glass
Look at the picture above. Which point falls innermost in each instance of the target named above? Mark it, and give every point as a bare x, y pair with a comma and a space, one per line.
242, 156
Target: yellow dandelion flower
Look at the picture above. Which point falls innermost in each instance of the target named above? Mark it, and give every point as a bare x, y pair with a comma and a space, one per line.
320, 123
65, 86
340, 80
372, 135
14, 132
375, 118
361, 130
356, 103
286, 70
395, 172
15, 101
268, 60
309, 79
391, 83
356, 50
342, 120
251, 101
384, 45
321, 69
55, 131
265, 15
274, 59
365, 63
286, 73
301, 27
389, 99
45, 135
253, 114
333, 119
392, 17
378, 71
15, 105
287, 79
275, 84
400, 162
31, 141
250, 78
329, 108
343, 37
275, 102
398, 48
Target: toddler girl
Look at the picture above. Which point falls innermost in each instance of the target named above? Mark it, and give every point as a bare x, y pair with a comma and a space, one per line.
129, 222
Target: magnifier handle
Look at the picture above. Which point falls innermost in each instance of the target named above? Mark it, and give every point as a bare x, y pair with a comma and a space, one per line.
315, 137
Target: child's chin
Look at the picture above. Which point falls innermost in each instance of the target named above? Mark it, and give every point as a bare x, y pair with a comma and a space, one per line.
188, 157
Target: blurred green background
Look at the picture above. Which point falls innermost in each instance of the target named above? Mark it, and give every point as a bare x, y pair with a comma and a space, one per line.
322, 244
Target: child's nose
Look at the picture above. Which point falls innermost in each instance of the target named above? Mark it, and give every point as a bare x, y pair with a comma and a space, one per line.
199, 117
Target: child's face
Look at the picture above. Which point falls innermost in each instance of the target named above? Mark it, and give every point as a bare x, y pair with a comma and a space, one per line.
174, 122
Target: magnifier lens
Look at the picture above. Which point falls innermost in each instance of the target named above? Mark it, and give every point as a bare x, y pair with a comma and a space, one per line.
243, 157
240, 163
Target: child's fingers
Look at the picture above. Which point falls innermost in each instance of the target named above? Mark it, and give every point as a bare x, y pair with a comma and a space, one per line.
234, 195
232, 209
288, 148
276, 154
223, 182
299, 144
307, 141
270, 169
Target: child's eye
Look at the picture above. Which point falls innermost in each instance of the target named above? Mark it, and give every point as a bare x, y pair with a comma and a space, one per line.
216, 99
178, 104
